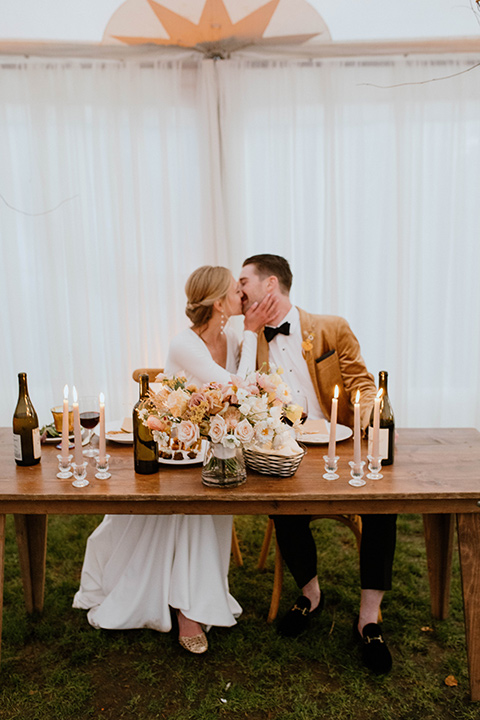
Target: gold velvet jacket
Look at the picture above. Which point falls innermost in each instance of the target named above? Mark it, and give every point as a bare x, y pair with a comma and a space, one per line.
332, 353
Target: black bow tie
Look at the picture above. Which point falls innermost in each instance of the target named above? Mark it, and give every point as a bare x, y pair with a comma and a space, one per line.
270, 332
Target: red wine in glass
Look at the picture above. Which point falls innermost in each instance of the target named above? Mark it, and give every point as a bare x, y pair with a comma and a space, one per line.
89, 420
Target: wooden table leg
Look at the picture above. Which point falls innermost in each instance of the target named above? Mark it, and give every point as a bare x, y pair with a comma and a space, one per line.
438, 531
2, 569
468, 529
32, 549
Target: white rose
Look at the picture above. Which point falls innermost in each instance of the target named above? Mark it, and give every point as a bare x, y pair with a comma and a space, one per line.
188, 432
244, 431
218, 429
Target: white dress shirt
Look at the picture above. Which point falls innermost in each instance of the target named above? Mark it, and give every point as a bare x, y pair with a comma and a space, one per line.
285, 351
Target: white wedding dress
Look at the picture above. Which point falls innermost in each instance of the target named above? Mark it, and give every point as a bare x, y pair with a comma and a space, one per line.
137, 567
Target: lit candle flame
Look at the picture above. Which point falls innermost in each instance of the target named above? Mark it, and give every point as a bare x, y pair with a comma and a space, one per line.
74, 393
380, 393
357, 397
336, 392
101, 399
65, 392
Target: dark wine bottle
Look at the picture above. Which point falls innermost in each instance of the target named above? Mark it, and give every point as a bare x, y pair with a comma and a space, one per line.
387, 423
26, 434
145, 449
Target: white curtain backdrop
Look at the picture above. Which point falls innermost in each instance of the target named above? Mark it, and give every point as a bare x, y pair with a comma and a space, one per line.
94, 288
370, 191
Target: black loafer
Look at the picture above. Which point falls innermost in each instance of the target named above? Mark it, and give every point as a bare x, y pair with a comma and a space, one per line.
375, 653
297, 618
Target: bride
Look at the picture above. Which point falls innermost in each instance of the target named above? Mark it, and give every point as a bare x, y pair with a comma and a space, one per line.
139, 568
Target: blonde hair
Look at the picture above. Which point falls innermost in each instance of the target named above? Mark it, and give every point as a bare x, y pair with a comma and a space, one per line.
204, 287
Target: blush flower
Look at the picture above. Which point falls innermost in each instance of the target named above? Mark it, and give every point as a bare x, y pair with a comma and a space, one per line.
154, 423
188, 432
244, 431
266, 383
218, 429
197, 398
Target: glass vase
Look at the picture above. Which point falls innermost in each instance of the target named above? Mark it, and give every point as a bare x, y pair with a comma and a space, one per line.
223, 467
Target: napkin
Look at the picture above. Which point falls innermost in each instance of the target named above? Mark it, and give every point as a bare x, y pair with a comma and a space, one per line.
127, 425
314, 427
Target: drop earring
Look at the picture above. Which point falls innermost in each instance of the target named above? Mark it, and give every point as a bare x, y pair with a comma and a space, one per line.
222, 324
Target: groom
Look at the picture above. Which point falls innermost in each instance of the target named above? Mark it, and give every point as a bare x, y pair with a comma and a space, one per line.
316, 353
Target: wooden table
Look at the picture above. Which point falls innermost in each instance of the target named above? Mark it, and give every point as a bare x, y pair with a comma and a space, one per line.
436, 473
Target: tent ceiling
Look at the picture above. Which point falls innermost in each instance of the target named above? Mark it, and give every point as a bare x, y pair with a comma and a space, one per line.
105, 24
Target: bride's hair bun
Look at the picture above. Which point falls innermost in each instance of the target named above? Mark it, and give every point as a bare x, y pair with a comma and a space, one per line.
204, 287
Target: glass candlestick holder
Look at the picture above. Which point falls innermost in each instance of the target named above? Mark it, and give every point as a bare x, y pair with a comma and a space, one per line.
374, 465
357, 473
64, 471
80, 474
331, 467
102, 467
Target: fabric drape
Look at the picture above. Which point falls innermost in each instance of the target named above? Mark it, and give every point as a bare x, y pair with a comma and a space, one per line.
119, 178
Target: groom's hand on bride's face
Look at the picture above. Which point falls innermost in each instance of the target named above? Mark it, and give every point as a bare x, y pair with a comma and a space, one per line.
260, 314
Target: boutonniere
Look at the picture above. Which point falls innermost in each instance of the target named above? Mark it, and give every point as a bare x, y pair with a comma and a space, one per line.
307, 344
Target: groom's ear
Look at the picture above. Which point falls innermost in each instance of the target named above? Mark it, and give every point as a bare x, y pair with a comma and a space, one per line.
272, 283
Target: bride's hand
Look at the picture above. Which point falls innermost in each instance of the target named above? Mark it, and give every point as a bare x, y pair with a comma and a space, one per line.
260, 314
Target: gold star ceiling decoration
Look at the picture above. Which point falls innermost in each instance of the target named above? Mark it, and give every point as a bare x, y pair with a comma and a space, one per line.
215, 34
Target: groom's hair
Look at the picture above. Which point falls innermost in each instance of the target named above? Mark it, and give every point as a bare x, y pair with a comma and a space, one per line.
272, 265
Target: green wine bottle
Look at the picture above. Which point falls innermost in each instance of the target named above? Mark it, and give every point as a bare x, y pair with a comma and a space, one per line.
145, 449
387, 424
26, 434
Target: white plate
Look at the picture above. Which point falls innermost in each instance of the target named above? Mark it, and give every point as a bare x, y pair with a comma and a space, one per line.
186, 460
58, 440
113, 432
342, 433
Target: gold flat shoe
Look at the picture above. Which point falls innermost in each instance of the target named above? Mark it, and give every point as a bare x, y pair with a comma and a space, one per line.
197, 644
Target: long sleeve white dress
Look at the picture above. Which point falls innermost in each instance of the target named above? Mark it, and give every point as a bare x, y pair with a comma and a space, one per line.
137, 567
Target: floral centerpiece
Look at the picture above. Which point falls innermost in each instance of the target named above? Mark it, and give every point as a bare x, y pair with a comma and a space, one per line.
243, 414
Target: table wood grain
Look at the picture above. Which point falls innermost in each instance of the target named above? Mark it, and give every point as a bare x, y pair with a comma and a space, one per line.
436, 473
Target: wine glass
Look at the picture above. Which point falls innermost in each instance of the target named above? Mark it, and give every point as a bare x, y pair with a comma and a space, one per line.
293, 420
89, 419
303, 402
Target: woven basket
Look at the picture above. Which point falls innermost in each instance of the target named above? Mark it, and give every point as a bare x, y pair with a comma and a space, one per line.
279, 465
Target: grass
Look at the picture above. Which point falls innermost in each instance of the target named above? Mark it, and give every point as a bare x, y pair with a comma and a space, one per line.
56, 666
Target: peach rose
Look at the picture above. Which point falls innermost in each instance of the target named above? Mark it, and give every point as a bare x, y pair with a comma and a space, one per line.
218, 429
215, 400
244, 431
188, 432
155, 423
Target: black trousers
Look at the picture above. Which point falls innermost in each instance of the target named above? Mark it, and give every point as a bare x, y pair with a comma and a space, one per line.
377, 549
